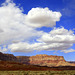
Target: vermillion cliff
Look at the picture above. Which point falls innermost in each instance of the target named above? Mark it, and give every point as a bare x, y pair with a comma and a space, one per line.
41, 60
46, 60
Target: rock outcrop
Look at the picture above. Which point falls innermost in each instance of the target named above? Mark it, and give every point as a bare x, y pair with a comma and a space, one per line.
23, 59
61, 63
46, 60
41, 60
7, 57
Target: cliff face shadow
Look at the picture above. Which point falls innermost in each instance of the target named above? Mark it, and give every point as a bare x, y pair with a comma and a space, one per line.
11, 57
23, 59
7, 57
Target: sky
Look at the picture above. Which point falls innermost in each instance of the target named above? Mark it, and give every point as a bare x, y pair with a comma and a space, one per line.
31, 27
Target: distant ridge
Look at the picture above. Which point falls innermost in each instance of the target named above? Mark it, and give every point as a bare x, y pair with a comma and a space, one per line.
41, 60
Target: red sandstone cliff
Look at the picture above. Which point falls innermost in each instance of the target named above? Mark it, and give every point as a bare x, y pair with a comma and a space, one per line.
23, 59
42, 60
7, 57
46, 60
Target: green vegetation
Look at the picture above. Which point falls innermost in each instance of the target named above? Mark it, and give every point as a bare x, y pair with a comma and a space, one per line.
66, 72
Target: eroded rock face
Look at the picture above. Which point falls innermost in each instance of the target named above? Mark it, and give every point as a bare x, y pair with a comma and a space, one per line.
41, 60
23, 59
46, 60
7, 57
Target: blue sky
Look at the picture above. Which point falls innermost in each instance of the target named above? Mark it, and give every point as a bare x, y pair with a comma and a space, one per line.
23, 34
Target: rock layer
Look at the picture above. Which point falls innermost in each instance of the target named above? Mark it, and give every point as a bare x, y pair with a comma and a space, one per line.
41, 60
46, 60
23, 59
7, 57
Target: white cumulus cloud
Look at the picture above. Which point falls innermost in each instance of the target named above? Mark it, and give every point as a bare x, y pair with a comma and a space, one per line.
68, 51
58, 35
62, 39
38, 17
16, 28
4, 49
12, 24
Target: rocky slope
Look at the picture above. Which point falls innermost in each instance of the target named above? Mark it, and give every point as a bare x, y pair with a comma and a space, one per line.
41, 60
16, 66
46, 60
7, 57
23, 59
